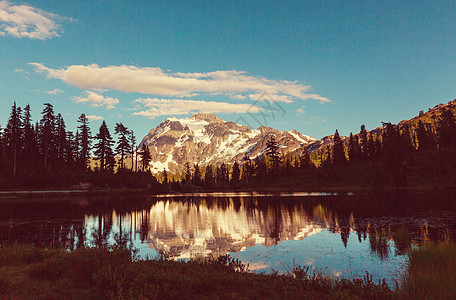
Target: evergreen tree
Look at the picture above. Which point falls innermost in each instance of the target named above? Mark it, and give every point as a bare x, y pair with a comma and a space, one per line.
29, 134
83, 138
423, 137
188, 173
123, 144
406, 138
222, 174
248, 169
132, 140
370, 146
47, 135
272, 152
235, 173
13, 134
145, 156
165, 177
260, 166
103, 148
363, 141
305, 162
338, 154
209, 175
61, 138
110, 160
196, 179
71, 150
353, 148
447, 129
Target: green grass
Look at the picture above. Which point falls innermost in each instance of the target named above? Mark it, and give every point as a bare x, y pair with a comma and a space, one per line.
27, 272
432, 272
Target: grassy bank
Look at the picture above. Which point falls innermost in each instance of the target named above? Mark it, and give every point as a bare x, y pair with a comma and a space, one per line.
432, 272
27, 272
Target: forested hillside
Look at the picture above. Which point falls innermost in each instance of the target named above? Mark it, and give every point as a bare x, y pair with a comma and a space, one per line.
420, 152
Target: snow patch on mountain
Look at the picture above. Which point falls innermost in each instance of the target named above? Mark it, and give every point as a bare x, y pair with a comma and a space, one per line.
206, 139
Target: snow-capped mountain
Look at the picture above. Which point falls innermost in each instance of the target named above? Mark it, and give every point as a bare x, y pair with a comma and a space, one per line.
207, 139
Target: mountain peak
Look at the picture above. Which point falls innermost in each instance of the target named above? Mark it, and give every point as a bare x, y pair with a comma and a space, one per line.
210, 118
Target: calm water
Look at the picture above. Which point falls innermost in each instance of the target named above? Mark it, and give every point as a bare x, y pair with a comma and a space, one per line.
342, 235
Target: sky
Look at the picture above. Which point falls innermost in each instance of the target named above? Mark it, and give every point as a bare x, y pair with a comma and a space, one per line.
313, 66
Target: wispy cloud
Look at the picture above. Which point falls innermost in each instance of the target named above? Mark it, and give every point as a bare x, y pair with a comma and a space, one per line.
155, 81
163, 107
300, 111
94, 118
24, 21
97, 100
55, 92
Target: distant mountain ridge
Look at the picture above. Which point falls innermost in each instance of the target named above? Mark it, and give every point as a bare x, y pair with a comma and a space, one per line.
430, 116
207, 139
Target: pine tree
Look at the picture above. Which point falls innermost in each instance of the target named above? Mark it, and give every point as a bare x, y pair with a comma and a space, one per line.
103, 148
71, 150
13, 134
29, 134
363, 141
222, 173
235, 173
83, 138
353, 147
423, 137
393, 151
209, 175
260, 166
338, 154
305, 162
145, 156
132, 140
165, 177
123, 144
447, 129
48, 135
247, 169
272, 152
61, 138
188, 173
196, 179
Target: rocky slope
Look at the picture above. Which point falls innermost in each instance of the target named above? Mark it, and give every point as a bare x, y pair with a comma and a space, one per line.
432, 115
207, 139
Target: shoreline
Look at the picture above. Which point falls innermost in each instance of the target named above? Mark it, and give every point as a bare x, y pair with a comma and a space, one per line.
246, 192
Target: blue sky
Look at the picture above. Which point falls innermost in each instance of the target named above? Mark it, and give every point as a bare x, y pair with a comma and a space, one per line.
326, 65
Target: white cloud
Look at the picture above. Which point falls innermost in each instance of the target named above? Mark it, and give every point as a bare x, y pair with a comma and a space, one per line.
24, 21
300, 111
55, 92
159, 107
155, 81
97, 100
94, 118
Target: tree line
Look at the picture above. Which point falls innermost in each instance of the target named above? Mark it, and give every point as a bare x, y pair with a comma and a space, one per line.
45, 153
47, 149
393, 153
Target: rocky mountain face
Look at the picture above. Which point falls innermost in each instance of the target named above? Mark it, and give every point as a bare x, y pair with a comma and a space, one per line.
207, 139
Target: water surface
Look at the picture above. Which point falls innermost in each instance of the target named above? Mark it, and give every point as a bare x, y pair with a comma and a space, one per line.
341, 235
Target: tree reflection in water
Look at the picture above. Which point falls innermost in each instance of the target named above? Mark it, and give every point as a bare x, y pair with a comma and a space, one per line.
390, 223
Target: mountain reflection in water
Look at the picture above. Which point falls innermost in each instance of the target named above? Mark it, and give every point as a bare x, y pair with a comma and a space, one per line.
312, 230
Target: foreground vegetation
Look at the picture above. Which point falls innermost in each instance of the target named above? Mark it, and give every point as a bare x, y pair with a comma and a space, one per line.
99, 273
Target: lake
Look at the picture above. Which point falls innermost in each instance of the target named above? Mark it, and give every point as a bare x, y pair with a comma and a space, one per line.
340, 235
